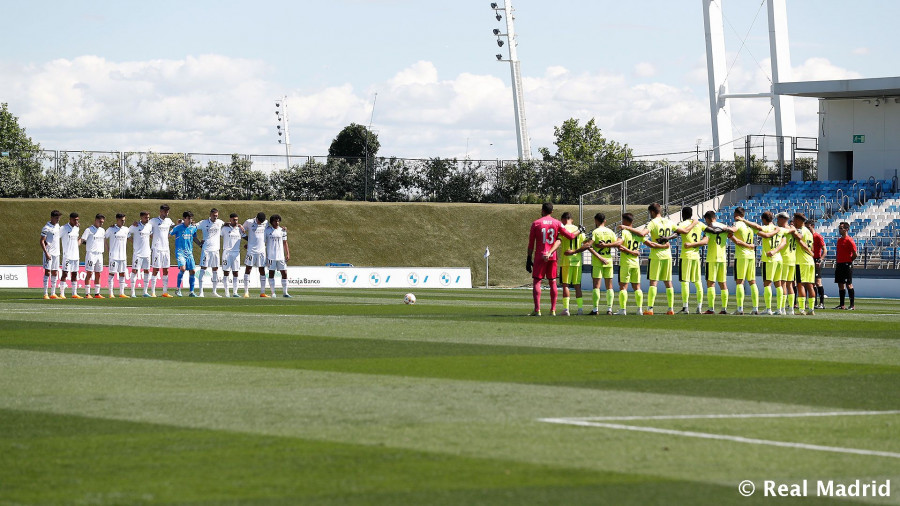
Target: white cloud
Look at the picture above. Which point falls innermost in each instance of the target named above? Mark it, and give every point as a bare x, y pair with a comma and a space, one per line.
644, 69
861, 51
214, 103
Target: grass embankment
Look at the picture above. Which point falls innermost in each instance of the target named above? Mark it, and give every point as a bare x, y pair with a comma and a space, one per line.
361, 233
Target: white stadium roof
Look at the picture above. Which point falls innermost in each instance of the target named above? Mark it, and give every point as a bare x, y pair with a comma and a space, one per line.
842, 88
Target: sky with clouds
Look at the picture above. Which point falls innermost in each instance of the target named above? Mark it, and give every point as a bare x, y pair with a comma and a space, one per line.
203, 76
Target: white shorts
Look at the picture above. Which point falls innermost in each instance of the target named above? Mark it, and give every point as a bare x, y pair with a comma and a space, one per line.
231, 262
276, 265
161, 260
52, 263
209, 259
118, 266
255, 260
140, 264
70, 265
93, 262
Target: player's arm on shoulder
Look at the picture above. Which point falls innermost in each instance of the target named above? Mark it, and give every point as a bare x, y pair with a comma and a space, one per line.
639, 231
563, 231
687, 229
755, 226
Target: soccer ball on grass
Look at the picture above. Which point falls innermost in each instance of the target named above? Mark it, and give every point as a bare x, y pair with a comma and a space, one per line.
409, 299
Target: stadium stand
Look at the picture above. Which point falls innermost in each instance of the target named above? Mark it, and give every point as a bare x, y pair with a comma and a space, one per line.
872, 208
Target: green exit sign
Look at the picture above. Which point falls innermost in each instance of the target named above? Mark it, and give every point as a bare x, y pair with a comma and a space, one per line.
859, 139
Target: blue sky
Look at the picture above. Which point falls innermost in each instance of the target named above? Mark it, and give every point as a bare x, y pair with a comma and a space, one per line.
201, 75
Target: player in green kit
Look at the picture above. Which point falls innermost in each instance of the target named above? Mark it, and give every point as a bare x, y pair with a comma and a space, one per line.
806, 262
601, 243
629, 267
744, 262
659, 267
715, 239
689, 271
772, 242
570, 263
788, 268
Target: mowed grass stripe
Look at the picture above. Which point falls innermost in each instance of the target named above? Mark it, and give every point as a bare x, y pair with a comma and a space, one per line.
709, 336
47, 458
475, 419
50, 458
791, 381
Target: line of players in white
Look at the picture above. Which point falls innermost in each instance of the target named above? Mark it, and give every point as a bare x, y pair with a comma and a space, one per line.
266, 247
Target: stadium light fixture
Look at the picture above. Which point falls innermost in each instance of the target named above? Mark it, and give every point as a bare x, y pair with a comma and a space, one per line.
283, 128
509, 35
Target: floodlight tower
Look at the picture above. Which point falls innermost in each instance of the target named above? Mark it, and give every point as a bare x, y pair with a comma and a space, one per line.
522, 140
284, 132
717, 72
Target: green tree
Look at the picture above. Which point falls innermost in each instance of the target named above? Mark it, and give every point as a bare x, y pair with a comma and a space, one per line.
354, 141
20, 172
584, 160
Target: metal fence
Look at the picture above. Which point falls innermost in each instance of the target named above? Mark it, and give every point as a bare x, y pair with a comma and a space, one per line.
762, 160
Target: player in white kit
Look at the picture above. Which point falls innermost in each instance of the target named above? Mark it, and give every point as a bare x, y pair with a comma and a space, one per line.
50, 247
70, 254
140, 233
231, 252
94, 238
255, 232
210, 247
117, 235
160, 253
277, 253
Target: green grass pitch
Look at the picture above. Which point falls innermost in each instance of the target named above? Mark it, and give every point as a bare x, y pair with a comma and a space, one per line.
352, 397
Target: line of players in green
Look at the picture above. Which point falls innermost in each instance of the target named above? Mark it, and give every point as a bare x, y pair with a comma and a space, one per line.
787, 254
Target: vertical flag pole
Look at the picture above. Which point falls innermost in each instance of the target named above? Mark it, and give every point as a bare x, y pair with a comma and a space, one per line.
487, 266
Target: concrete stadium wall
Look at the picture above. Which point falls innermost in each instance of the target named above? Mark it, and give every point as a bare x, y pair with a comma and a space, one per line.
843, 119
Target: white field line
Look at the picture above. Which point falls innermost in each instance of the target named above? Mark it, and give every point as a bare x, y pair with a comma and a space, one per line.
736, 439
733, 415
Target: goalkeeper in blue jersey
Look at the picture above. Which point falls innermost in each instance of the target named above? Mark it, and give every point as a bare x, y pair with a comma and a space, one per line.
185, 236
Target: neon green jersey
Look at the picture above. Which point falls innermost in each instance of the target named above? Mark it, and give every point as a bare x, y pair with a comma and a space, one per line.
660, 227
693, 236
601, 236
771, 243
716, 250
789, 253
567, 244
632, 242
744, 233
804, 258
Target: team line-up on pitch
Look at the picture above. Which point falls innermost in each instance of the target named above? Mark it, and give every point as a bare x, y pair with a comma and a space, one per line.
266, 248
789, 259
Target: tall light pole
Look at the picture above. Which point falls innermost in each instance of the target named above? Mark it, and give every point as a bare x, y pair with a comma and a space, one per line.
284, 132
522, 140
